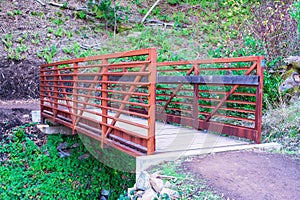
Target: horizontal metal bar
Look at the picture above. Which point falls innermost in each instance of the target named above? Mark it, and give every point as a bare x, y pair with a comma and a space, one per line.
226, 80
173, 70
56, 119
100, 57
229, 109
100, 81
224, 69
224, 92
114, 100
128, 143
177, 96
176, 109
229, 129
112, 117
93, 74
177, 103
228, 101
233, 117
212, 61
125, 83
96, 90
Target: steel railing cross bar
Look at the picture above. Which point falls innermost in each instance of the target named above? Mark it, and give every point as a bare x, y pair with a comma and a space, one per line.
254, 66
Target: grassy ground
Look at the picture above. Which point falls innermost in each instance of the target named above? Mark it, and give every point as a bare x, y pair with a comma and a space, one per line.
32, 172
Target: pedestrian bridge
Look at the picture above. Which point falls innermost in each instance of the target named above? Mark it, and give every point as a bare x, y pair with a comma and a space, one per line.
128, 102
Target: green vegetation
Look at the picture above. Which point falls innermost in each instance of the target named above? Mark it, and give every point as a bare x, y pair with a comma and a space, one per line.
295, 13
17, 51
282, 125
187, 186
37, 172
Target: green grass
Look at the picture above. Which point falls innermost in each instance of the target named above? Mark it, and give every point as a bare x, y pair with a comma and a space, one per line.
39, 173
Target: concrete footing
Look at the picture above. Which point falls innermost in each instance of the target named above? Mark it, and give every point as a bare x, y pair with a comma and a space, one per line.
49, 130
144, 162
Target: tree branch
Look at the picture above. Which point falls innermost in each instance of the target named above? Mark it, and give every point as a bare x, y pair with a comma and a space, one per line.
42, 3
149, 11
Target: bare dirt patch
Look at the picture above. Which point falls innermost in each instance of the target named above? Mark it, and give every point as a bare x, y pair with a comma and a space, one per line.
248, 174
14, 114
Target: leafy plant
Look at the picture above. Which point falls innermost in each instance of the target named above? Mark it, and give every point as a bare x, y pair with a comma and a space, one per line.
272, 24
59, 32
106, 11
295, 13
48, 53
31, 172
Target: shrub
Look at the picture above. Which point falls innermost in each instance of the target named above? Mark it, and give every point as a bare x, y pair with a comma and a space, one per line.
272, 24
282, 125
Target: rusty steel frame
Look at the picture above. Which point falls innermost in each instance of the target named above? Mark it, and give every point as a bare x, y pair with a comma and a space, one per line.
58, 106
206, 124
64, 100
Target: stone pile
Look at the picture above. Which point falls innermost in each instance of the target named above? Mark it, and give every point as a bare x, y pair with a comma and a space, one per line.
154, 186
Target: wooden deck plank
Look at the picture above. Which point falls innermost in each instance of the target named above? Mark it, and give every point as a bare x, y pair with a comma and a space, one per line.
173, 138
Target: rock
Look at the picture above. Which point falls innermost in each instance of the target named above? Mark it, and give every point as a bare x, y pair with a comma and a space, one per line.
103, 198
171, 193
143, 181
139, 193
149, 195
105, 193
62, 146
130, 191
157, 184
167, 184
63, 154
156, 174
74, 145
84, 156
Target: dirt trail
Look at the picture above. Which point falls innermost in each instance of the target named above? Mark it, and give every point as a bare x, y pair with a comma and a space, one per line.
248, 175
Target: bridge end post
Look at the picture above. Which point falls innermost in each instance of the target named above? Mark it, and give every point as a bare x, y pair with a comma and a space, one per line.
152, 101
259, 99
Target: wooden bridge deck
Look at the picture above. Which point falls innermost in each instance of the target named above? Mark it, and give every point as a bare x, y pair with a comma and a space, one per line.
171, 138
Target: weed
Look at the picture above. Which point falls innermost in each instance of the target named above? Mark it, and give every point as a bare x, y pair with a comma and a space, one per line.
7, 40
82, 15
104, 10
14, 13
69, 34
17, 12
58, 21
35, 38
9, 13
59, 32
48, 53
39, 14
50, 30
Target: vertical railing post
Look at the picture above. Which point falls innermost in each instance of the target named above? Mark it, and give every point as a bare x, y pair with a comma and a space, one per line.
151, 101
75, 97
42, 85
104, 102
196, 98
55, 90
259, 99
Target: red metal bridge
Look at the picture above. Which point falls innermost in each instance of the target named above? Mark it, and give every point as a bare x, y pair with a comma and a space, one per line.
117, 99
